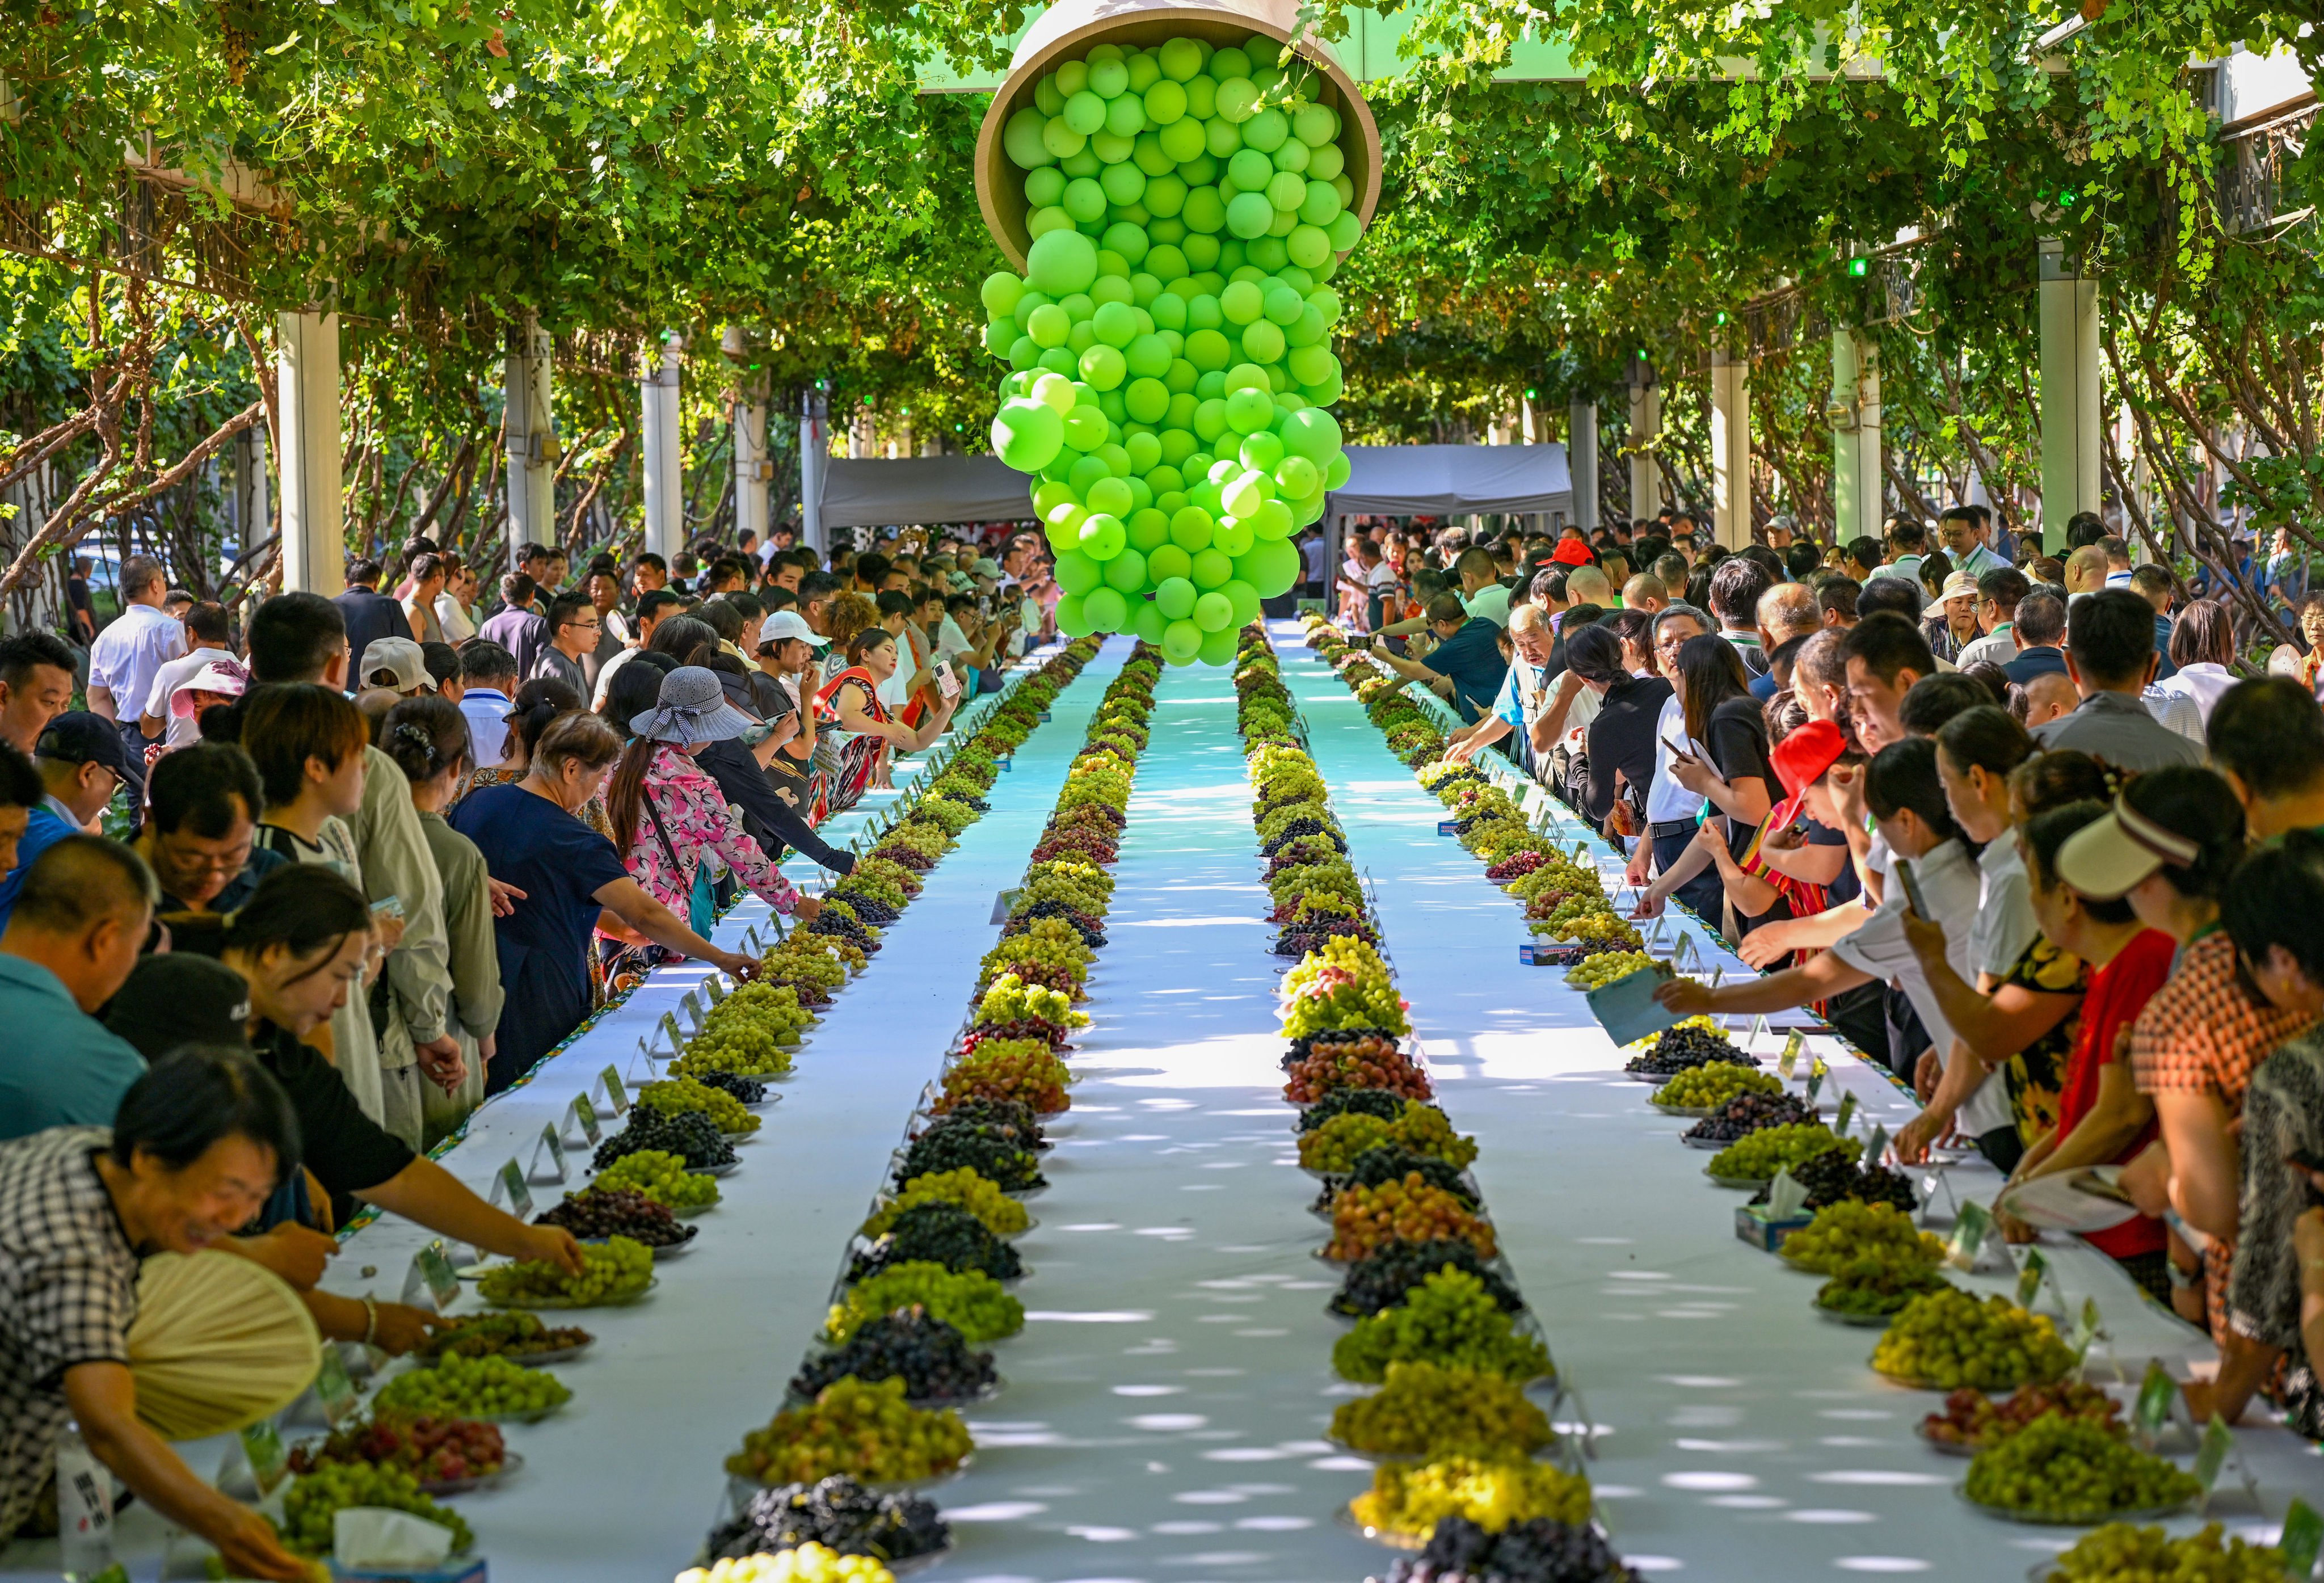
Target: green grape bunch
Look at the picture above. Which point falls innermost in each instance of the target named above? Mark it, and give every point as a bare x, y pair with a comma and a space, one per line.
1168, 342
490, 1387
315, 1499
621, 1268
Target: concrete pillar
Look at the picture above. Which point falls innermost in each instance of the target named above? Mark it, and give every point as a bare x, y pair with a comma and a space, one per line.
314, 524
1731, 449
664, 473
753, 471
815, 449
1646, 431
254, 510
2068, 392
1858, 481
531, 426
1581, 462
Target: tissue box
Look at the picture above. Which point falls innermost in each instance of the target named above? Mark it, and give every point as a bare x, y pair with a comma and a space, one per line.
1766, 1235
456, 1569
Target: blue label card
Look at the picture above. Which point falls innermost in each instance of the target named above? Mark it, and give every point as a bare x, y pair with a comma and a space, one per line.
1627, 1007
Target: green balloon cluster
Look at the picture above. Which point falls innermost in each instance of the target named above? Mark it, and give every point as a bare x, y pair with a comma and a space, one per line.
1169, 343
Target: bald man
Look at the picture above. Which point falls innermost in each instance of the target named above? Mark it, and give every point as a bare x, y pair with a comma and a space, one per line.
78, 925
2086, 571
1589, 586
2048, 697
1785, 612
1645, 592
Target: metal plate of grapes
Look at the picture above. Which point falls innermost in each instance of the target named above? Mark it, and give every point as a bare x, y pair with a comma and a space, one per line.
510, 1463
2073, 1519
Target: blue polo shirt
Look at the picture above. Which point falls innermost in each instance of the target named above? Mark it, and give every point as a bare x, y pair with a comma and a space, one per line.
1471, 660
44, 828
59, 1065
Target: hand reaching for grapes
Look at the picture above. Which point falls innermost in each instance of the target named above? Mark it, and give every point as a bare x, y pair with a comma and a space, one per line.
734, 964
1685, 997
555, 1244
808, 908
246, 1542
1915, 1139
401, 1327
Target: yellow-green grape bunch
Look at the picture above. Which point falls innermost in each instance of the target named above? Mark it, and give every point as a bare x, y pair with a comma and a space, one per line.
1412, 1498
2072, 1468
680, 1094
474, 1388
1448, 1319
1593, 973
1422, 1128
868, 1431
1011, 999
1002, 1216
621, 1268
1950, 1339
1851, 1229
311, 1505
1758, 1155
972, 1302
748, 1034
2120, 1553
1427, 1410
662, 1177
806, 1563
1170, 340
1710, 1087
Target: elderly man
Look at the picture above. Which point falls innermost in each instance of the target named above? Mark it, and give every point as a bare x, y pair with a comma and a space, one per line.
1527, 705
1465, 668
1787, 611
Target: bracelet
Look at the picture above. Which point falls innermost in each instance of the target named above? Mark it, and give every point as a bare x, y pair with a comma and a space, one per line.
371, 1322
2181, 1278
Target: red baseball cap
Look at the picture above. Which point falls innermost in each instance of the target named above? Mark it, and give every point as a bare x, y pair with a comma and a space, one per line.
1801, 760
1571, 552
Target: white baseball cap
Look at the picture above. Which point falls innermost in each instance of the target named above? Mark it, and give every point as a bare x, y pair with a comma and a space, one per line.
790, 623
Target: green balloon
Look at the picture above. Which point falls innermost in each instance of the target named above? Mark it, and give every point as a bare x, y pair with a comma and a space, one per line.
1234, 537
1085, 112
1175, 596
1212, 569
1313, 433
1271, 568
1181, 59
1106, 610
1245, 600
1061, 263
1085, 428
1022, 140
1249, 410
1147, 619
1001, 291
1182, 640
1148, 529
1249, 215
1166, 561
1191, 529
1213, 611
1218, 648
1148, 399
1076, 573
1125, 573
1027, 434
1073, 620
1343, 230
1102, 366
1103, 536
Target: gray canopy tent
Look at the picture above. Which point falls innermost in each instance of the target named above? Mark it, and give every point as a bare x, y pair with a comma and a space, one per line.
1443, 481
914, 489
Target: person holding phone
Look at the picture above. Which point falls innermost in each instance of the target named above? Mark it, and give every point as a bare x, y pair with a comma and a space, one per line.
1907, 803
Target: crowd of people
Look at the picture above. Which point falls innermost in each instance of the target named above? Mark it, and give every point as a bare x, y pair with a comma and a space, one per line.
292, 896
2020, 827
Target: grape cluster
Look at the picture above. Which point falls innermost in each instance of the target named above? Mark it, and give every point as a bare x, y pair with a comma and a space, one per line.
2071, 1468
1338, 1102
1001, 1154
662, 1177
1715, 1083
602, 1212
1000, 1214
938, 1233
1413, 1497
841, 924
836, 1512
809, 1563
1949, 1338
1849, 1231
1342, 1066
474, 1388
1696, 1042
1973, 1419
1378, 1165
1876, 1285
1380, 1278
512, 1335
970, 1302
314, 1500
1022, 1070
1595, 972
1760, 1155
683, 1094
866, 1431
1418, 1129
1747, 1113
747, 1090
690, 1134
989, 1111
1515, 867
1831, 1178
433, 1451
1409, 1210
1010, 999
618, 1269
1539, 1550
748, 1033
1448, 1319
2118, 1552
1426, 1410
930, 1356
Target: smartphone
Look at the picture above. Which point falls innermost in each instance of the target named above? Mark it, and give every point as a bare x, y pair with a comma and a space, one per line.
947, 682
1676, 751
1912, 888
388, 907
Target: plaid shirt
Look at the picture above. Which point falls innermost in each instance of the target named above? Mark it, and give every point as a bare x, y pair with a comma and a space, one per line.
67, 1293
2204, 1030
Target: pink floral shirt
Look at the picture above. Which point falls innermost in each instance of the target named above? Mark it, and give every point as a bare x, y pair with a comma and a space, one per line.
695, 813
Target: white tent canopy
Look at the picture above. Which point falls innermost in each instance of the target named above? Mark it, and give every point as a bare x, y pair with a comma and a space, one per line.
912, 490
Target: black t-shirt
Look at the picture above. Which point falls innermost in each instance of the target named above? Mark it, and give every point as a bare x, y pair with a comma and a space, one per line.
348, 1151
1845, 887
1622, 737
1736, 736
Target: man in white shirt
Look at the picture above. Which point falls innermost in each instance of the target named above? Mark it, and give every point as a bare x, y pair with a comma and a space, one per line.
1998, 594
206, 626
456, 607
1958, 528
488, 675
1906, 541
129, 654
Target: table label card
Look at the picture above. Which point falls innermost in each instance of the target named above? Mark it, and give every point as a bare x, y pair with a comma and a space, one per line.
555, 1145
717, 988
333, 1388
1448, 827
2029, 1277
617, 1096
584, 1115
693, 1004
1789, 1060
1759, 1026
2088, 1326
1877, 1148
1816, 1074
2302, 1539
677, 1039
262, 1443
2211, 1456
1969, 1236
2158, 1394
1847, 1114
436, 1270
1001, 902
508, 1187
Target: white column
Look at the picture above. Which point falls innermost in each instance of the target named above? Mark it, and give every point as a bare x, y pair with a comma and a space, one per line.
1646, 431
1858, 481
253, 516
815, 449
307, 401
532, 449
1731, 449
2068, 392
664, 476
1581, 462
752, 469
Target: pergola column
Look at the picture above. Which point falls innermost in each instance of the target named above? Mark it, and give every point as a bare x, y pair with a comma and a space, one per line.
814, 448
753, 471
307, 401
1858, 480
531, 424
1646, 432
664, 476
1581, 462
2068, 392
1731, 449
